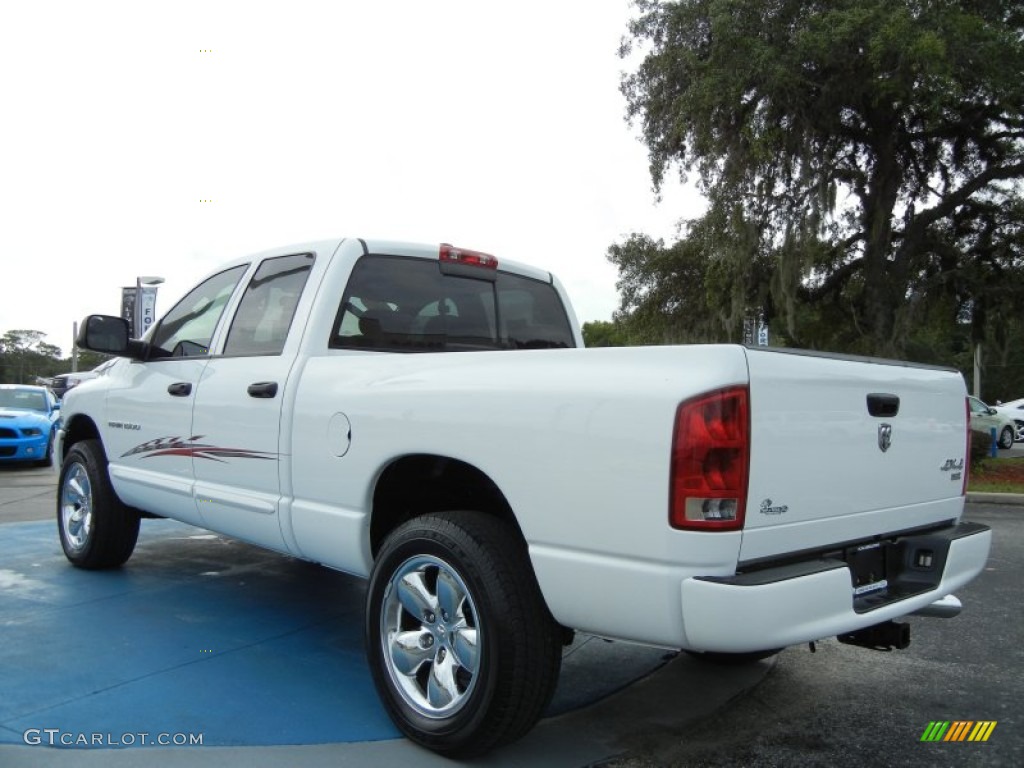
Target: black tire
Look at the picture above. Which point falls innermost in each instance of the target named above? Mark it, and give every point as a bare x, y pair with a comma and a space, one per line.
96, 529
1006, 438
47, 460
492, 655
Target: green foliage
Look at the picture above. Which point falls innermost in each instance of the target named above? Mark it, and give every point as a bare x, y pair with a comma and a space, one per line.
996, 476
25, 358
87, 360
862, 160
656, 284
981, 447
685, 293
604, 334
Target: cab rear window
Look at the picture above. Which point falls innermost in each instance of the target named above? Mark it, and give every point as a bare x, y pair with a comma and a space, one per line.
400, 304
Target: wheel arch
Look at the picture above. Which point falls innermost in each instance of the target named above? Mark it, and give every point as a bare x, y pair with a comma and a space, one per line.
79, 428
419, 484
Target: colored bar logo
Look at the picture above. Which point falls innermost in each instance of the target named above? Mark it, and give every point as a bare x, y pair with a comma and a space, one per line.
959, 730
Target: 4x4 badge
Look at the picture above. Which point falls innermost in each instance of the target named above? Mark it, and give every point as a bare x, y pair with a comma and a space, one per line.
884, 436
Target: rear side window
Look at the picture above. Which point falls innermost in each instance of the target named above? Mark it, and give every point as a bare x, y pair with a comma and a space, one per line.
265, 313
399, 304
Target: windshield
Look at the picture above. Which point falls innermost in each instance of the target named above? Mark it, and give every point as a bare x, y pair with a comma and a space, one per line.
23, 400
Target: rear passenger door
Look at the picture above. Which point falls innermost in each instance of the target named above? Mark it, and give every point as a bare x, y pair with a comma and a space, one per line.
237, 415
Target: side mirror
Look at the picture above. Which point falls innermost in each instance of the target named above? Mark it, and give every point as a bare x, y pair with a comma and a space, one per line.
106, 334
992, 411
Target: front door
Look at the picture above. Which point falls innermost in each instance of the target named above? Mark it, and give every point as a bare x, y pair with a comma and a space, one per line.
148, 430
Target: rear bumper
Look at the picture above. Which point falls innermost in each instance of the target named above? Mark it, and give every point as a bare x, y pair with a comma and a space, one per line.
946, 607
797, 603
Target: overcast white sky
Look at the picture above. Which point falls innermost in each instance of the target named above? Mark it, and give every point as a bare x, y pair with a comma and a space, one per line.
492, 125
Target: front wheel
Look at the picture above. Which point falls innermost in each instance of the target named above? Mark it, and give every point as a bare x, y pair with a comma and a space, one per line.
462, 648
96, 529
1006, 438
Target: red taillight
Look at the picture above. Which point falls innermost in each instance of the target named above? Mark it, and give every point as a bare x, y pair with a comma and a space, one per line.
710, 460
967, 455
453, 255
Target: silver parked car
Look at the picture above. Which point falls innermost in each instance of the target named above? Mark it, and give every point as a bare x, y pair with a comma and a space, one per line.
60, 384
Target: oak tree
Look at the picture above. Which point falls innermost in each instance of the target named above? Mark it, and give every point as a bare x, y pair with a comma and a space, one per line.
868, 152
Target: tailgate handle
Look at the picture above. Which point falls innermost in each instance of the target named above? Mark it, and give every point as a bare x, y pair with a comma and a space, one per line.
883, 405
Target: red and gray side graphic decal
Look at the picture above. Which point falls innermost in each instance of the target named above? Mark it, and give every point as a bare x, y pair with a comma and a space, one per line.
177, 446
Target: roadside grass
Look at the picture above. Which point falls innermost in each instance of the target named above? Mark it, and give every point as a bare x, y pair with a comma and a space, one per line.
997, 476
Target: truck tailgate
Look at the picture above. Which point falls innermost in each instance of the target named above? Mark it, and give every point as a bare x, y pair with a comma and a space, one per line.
843, 449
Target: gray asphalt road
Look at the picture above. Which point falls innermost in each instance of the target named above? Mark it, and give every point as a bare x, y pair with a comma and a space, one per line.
845, 706
27, 493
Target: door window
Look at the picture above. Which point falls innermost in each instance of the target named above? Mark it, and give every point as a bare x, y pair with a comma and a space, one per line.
265, 313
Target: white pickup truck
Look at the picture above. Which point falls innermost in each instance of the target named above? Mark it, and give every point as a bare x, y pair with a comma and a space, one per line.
718, 499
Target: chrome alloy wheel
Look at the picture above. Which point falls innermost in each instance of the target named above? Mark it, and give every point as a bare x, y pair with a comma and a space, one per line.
76, 507
430, 635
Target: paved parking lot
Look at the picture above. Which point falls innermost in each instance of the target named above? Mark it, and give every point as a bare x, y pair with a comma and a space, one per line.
27, 493
201, 635
846, 706
262, 654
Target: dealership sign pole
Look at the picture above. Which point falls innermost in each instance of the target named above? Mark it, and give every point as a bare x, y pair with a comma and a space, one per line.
145, 303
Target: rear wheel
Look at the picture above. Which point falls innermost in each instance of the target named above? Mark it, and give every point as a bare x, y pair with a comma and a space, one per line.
463, 650
96, 529
1006, 437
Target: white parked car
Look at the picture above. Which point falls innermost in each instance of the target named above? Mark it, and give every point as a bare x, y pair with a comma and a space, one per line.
1015, 410
985, 418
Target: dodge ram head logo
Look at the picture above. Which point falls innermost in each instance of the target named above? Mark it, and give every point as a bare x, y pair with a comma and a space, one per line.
884, 436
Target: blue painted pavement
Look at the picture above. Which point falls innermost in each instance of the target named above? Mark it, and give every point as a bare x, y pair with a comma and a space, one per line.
202, 634
196, 634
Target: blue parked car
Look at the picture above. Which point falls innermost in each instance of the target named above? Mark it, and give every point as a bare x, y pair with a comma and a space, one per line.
29, 417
